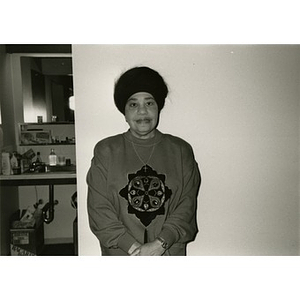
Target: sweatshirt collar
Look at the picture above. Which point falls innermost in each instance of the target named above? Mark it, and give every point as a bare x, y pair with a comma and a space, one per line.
143, 142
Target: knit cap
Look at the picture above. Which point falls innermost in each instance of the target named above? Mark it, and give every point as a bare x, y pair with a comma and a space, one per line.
140, 79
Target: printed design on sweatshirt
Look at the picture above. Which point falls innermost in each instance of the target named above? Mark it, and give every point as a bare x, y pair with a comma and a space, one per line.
146, 194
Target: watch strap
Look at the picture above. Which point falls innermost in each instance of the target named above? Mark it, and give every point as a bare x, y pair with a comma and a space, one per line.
164, 244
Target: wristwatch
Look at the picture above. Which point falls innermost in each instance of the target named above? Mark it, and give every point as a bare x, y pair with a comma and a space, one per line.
164, 244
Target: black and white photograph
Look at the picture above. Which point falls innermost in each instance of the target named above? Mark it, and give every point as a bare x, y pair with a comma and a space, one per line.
153, 124
185, 154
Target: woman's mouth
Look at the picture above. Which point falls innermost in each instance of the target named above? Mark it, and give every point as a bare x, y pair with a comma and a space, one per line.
143, 121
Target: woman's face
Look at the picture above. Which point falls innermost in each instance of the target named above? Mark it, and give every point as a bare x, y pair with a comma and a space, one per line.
141, 114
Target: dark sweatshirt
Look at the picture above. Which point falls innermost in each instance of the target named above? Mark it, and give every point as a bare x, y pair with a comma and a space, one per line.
141, 189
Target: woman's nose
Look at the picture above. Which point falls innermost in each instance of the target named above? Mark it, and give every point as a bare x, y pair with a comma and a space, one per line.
142, 109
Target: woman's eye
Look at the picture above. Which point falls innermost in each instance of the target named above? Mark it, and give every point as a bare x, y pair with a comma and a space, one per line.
150, 103
132, 104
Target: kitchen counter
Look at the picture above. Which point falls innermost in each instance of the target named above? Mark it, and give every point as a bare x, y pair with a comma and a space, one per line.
52, 178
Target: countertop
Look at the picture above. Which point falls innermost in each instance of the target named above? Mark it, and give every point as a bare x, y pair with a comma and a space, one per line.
38, 178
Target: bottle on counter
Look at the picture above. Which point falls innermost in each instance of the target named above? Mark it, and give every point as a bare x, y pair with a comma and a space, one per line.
14, 163
37, 165
52, 158
6, 166
38, 159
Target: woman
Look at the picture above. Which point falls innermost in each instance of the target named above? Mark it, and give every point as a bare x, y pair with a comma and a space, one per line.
143, 184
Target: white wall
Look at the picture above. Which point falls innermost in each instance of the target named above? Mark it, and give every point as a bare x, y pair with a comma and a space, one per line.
238, 106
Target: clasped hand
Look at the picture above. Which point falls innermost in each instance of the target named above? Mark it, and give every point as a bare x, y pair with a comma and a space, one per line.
149, 249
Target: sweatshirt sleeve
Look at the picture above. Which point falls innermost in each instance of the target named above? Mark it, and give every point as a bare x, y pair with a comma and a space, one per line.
102, 211
181, 225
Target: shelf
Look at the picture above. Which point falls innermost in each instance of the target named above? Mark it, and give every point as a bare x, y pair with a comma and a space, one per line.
46, 134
